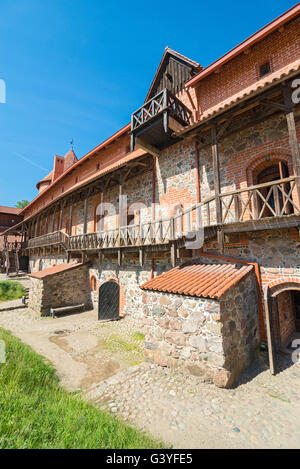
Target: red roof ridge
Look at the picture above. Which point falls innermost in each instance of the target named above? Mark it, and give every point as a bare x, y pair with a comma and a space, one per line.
172, 51
199, 277
120, 132
55, 269
260, 34
10, 210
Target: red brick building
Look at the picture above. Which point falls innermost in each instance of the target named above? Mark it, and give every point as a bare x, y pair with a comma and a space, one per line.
214, 154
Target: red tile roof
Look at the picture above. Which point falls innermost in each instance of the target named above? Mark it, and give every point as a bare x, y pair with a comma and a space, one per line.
245, 93
109, 168
90, 154
56, 269
263, 32
10, 210
197, 278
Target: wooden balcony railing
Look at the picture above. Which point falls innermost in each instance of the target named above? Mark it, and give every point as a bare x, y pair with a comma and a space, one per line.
50, 239
163, 101
263, 201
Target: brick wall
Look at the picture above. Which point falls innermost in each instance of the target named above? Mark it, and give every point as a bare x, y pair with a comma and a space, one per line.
280, 48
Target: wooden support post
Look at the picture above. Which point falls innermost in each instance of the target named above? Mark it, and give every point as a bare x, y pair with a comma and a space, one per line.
142, 256
268, 302
60, 218
120, 257
290, 118
53, 220
35, 228
217, 186
46, 222
71, 219
121, 208
85, 215
101, 257
173, 254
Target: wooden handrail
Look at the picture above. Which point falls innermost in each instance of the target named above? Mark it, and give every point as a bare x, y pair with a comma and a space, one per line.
238, 208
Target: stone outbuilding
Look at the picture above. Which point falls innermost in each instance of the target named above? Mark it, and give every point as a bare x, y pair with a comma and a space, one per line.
59, 286
204, 317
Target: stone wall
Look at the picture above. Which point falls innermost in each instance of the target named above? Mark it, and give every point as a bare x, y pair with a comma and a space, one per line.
60, 289
240, 318
276, 251
129, 276
37, 263
209, 338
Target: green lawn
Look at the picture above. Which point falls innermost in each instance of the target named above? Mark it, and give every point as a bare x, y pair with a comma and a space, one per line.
35, 412
11, 290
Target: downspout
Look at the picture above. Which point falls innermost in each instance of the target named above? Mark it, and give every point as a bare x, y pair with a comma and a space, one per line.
153, 206
258, 286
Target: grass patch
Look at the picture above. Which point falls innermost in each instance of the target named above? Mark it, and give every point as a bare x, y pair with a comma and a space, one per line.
116, 343
11, 290
138, 336
35, 412
278, 397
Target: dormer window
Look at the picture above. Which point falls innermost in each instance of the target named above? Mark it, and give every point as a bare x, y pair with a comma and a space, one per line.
264, 69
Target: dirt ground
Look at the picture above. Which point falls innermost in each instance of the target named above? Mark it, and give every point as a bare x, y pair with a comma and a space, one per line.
83, 350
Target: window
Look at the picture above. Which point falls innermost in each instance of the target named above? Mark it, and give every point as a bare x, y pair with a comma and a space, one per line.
93, 283
264, 69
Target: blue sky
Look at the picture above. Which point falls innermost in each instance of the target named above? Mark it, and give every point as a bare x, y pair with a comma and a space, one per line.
78, 68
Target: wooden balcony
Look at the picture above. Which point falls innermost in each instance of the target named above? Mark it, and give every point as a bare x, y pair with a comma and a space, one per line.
58, 238
154, 123
264, 206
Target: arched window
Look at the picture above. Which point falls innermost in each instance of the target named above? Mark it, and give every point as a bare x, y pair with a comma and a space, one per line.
273, 200
93, 283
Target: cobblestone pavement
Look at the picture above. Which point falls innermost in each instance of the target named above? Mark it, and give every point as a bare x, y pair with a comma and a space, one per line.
263, 411
105, 361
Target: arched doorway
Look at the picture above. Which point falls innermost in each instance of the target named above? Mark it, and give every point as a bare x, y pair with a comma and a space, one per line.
274, 200
109, 301
288, 317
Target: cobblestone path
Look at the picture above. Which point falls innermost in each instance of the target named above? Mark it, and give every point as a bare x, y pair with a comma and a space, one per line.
263, 411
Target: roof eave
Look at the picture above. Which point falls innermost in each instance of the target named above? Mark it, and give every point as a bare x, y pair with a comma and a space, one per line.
250, 41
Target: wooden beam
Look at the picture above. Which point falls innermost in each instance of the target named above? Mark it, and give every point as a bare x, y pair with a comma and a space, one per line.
268, 303
174, 124
120, 257
85, 214
147, 147
60, 218
217, 185
142, 256
290, 118
173, 254
225, 127
267, 102
71, 218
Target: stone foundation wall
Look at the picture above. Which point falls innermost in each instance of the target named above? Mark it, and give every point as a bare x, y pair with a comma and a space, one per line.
61, 289
240, 332
129, 276
209, 338
38, 263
